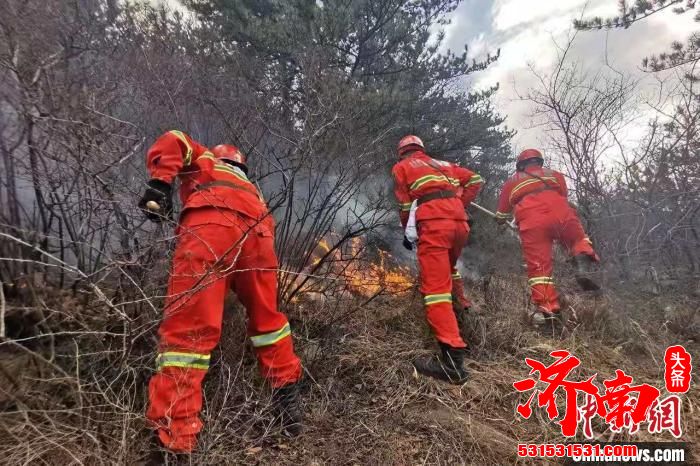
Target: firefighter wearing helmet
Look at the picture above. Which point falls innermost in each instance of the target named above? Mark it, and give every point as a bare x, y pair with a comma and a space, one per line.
231, 155
225, 242
537, 198
440, 191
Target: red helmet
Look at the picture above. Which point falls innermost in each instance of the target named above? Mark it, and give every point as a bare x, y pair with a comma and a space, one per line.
408, 143
529, 154
229, 153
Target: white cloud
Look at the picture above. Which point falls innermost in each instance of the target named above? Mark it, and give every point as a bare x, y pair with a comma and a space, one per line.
478, 45
511, 13
525, 31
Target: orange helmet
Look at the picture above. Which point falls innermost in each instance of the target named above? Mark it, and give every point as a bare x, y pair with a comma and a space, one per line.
229, 153
408, 143
529, 154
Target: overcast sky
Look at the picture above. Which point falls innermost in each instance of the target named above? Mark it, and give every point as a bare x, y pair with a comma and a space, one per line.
525, 30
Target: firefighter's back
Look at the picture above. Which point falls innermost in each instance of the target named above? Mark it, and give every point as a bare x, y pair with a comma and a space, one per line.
434, 185
217, 184
538, 193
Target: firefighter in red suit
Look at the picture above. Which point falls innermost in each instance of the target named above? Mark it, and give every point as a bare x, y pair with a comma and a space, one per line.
442, 191
225, 240
537, 197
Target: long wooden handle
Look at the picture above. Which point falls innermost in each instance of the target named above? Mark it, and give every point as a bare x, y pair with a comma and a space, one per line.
510, 224
483, 209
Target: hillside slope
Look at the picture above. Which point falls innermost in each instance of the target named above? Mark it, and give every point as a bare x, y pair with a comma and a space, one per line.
364, 403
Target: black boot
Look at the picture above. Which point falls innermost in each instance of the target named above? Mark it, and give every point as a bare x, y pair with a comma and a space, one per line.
585, 273
288, 407
449, 366
553, 324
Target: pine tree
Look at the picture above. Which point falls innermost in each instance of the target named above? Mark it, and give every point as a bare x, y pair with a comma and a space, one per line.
383, 52
679, 53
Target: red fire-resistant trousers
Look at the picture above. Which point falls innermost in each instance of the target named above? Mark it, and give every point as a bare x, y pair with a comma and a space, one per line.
440, 243
216, 250
539, 228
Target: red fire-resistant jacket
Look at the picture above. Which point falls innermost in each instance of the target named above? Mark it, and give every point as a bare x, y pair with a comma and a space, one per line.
419, 174
536, 189
176, 154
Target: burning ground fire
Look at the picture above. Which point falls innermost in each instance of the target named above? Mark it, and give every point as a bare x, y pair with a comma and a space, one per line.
351, 266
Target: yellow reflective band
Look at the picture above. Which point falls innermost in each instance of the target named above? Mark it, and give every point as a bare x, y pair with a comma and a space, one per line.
529, 182
437, 298
223, 168
540, 278
185, 360
453, 181
405, 205
427, 179
271, 338
207, 155
541, 281
503, 215
181, 136
456, 275
476, 179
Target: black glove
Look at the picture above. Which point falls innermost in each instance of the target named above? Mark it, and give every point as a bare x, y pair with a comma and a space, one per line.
160, 192
407, 244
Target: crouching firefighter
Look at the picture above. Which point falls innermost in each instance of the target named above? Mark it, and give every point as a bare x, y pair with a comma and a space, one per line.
225, 240
441, 190
537, 197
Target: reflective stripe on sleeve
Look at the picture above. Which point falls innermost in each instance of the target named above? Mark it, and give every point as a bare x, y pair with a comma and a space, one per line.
475, 179
456, 275
405, 206
437, 298
267, 339
207, 155
186, 360
181, 136
503, 215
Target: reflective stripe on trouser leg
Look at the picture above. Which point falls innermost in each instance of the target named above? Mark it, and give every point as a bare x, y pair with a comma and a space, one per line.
536, 235
185, 360
442, 319
544, 294
256, 288
275, 353
271, 338
437, 298
438, 246
190, 329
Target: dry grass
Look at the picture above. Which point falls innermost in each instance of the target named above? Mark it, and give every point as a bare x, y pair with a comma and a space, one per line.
80, 398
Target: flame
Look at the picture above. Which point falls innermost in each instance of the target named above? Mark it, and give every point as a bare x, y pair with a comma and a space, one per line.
350, 266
